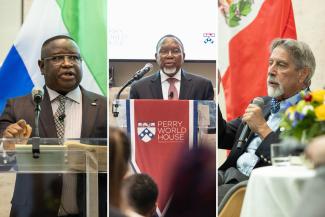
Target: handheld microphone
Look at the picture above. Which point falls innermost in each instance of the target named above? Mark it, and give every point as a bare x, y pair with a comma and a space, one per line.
246, 131
139, 74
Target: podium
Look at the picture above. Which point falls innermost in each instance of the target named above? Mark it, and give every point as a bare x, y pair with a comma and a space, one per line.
35, 184
161, 131
204, 115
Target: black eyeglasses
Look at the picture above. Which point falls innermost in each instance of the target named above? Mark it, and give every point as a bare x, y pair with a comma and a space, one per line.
59, 59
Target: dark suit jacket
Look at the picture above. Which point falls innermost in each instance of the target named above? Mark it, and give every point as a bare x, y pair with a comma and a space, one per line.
228, 134
39, 194
192, 87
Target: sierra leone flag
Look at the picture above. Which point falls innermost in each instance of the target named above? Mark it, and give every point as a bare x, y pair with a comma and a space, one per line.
83, 20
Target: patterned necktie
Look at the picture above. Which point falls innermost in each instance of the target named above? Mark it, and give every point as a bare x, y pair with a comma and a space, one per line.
59, 117
172, 91
275, 105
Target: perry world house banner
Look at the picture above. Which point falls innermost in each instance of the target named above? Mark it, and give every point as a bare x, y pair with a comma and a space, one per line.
160, 131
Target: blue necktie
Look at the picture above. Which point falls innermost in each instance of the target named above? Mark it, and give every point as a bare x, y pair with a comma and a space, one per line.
275, 105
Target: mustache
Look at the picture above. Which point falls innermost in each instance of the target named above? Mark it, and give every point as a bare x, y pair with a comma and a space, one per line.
271, 78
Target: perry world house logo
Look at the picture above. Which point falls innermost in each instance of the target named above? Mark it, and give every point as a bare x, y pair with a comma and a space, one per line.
146, 130
235, 10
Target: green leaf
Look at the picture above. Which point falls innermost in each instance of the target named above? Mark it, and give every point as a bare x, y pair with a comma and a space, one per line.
245, 7
233, 21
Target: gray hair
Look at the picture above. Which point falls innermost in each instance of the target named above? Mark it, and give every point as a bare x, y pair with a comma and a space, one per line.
169, 36
301, 54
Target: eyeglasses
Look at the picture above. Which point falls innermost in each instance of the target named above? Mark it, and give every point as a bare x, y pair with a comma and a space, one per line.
165, 52
59, 59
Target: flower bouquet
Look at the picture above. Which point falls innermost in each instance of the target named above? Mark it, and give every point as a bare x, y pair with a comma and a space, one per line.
306, 119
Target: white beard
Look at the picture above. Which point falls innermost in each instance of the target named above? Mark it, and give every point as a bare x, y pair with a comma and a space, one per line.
275, 92
169, 71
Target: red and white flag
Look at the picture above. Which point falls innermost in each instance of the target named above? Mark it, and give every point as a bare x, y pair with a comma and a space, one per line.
245, 31
161, 130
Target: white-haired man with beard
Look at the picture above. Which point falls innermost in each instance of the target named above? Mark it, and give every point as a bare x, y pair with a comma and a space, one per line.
291, 67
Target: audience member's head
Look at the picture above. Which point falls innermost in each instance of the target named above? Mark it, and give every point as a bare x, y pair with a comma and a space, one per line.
139, 194
194, 185
291, 67
119, 156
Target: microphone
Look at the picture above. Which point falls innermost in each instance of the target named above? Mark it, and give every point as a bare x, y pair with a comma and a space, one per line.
138, 75
171, 95
37, 94
61, 117
246, 131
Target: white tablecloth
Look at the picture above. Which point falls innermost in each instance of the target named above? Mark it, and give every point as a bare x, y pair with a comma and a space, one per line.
274, 191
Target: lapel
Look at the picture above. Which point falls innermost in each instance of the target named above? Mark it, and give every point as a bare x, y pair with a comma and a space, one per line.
266, 113
89, 113
47, 125
186, 86
155, 87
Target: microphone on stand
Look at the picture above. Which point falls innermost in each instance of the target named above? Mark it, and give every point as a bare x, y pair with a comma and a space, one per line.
37, 94
246, 131
137, 76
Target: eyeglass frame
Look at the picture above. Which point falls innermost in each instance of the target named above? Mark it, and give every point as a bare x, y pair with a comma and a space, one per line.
51, 58
170, 52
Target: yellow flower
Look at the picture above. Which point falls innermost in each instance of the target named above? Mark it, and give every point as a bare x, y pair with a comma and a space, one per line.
318, 95
301, 104
320, 112
290, 110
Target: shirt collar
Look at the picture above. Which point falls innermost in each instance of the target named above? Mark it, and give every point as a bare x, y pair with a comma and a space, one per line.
74, 95
164, 77
284, 104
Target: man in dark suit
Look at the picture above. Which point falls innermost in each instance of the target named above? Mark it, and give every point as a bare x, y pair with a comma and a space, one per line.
291, 66
172, 82
83, 115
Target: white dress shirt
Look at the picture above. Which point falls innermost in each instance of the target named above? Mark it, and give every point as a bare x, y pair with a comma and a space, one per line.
165, 83
73, 111
72, 129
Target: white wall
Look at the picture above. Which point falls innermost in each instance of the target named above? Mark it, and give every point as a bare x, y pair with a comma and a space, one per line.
310, 25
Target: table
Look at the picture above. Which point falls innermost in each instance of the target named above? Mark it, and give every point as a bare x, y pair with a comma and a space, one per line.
274, 191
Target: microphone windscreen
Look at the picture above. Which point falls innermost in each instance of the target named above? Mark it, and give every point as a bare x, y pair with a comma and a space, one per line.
37, 94
258, 101
149, 66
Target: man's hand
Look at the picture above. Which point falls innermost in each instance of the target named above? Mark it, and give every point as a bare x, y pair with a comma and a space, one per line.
315, 151
20, 130
254, 118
